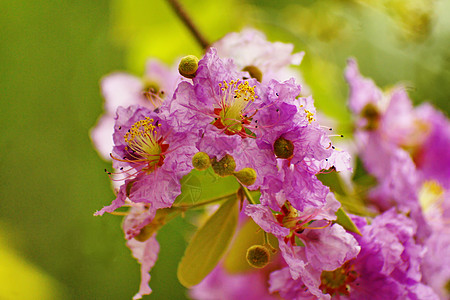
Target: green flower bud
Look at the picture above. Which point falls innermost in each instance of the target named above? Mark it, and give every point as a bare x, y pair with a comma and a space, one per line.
254, 72
246, 176
201, 161
258, 256
188, 66
283, 148
225, 166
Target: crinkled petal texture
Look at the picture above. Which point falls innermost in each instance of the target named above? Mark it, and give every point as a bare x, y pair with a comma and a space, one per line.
302, 189
146, 254
219, 285
389, 261
159, 185
250, 48
294, 289
263, 216
138, 216
326, 247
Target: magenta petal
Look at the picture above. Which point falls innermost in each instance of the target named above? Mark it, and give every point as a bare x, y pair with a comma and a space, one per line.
146, 254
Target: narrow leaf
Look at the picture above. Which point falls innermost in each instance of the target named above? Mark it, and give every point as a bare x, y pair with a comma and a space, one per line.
199, 186
333, 181
344, 220
208, 244
250, 234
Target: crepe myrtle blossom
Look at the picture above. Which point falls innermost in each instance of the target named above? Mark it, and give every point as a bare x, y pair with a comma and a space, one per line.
297, 144
264, 60
387, 267
218, 108
391, 118
308, 240
152, 155
123, 89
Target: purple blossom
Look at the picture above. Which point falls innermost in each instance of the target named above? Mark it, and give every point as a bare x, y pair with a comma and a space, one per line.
146, 254
154, 153
250, 48
122, 89
145, 251
294, 289
323, 246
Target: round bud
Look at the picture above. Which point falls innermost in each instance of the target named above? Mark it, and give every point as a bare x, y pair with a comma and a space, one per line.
201, 161
258, 256
283, 148
254, 72
246, 176
188, 66
225, 166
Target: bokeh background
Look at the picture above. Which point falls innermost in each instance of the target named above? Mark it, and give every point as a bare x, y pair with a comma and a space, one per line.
52, 56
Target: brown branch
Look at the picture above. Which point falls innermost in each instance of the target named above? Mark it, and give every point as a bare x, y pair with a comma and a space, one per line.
181, 13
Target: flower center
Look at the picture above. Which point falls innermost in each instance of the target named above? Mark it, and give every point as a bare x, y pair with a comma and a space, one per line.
337, 281
233, 115
371, 113
145, 144
290, 218
430, 195
153, 93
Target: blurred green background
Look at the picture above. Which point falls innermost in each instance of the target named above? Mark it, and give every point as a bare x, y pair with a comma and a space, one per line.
52, 56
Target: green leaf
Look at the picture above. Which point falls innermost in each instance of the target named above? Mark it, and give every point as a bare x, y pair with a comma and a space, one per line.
344, 220
333, 181
208, 244
199, 186
249, 235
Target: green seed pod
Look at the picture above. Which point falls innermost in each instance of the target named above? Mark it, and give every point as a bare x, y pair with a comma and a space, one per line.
246, 176
283, 148
188, 66
225, 166
258, 256
201, 161
254, 72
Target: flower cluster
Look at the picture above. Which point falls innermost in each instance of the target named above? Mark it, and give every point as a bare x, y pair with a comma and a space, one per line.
239, 111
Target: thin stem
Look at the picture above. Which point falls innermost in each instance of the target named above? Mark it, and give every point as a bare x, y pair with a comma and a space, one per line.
119, 213
248, 195
267, 243
213, 200
181, 13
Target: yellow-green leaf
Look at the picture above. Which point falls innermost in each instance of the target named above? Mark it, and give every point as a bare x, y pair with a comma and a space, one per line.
344, 220
208, 244
199, 186
249, 235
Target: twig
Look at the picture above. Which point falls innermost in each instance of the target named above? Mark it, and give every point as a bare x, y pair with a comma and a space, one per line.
188, 22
